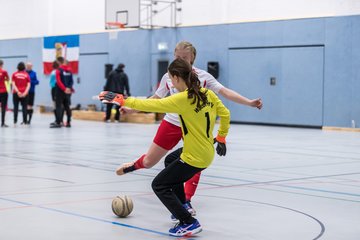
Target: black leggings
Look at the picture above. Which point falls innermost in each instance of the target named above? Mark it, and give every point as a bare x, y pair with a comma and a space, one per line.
31, 99
108, 111
24, 103
62, 102
3, 101
168, 185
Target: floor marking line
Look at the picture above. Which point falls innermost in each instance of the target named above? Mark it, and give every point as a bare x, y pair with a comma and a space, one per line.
322, 226
86, 217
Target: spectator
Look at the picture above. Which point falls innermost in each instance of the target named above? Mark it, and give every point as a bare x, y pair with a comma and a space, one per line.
4, 77
33, 82
52, 83
117, 82
64, 84
21, 87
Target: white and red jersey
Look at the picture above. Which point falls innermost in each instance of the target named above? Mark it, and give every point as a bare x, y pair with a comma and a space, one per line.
166, 87
3, 77
21, 80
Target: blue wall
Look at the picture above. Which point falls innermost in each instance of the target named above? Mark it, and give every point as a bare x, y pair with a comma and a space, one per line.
338, 41
342, 79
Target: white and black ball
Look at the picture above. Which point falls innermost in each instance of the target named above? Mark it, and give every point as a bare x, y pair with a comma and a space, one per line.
122, 206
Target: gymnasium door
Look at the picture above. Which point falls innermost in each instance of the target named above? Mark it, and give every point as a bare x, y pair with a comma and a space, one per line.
159, 65
289, 80
91, 79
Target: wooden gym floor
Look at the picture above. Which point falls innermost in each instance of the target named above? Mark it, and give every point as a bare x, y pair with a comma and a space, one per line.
275, 183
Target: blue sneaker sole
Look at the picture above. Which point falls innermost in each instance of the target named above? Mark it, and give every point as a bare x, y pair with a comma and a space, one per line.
188, 234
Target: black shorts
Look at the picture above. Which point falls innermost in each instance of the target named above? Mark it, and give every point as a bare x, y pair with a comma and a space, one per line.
31, 99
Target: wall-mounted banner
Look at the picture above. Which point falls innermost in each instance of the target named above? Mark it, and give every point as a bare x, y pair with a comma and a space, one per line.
64, 46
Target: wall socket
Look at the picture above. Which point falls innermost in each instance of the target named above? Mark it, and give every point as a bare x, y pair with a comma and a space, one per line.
272, 81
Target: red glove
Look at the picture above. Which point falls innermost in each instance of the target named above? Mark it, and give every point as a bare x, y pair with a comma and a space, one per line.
113, 98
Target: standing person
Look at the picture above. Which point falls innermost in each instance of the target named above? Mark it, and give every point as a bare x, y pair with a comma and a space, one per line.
64, 84
117, 82
33, 82
4, 77
21, 87
52, 83
197, 109
169, 132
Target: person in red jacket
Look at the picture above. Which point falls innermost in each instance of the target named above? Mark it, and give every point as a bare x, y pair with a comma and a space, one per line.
21, 86
4, 77
63, 91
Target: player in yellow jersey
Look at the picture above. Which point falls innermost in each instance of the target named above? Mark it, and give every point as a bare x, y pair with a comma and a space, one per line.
169, 132
197, 109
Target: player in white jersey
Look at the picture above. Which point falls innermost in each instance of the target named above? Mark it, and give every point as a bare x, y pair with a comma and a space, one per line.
169, 132
166, 87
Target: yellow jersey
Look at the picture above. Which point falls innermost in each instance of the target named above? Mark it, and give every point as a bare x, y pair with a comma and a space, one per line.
197, 123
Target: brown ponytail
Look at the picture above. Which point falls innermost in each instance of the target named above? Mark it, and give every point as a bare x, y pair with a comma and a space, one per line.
183, 69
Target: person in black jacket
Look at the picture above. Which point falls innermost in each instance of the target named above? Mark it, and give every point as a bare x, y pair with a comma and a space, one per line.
117, 82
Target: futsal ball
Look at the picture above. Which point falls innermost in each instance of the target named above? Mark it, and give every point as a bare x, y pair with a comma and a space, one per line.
122, 206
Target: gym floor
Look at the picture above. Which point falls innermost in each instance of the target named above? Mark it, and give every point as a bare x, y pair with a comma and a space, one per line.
275, 183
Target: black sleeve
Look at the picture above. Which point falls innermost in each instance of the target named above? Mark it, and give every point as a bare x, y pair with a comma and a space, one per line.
127, 87
106, 87
71, 81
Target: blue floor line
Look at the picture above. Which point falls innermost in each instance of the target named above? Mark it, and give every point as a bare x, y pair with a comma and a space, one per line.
86, 217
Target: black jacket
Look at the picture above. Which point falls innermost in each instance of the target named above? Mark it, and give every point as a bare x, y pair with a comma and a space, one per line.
117, 82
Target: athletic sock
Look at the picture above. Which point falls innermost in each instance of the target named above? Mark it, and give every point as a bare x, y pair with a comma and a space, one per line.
191, 185
139, 163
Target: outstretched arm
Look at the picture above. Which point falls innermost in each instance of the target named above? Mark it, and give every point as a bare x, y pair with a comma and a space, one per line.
130, 110
236, 97
171, 104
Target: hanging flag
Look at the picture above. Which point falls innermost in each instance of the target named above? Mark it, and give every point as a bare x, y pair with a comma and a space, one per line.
61, 46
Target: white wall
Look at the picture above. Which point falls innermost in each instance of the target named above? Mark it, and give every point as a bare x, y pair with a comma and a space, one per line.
34, 18
20, 18
82, 16
206, 12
